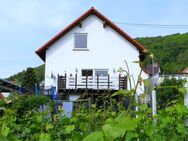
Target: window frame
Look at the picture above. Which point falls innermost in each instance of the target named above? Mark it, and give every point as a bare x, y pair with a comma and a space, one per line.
107, 70
80, 49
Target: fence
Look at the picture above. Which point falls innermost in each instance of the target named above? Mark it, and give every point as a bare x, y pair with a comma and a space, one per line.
92, 82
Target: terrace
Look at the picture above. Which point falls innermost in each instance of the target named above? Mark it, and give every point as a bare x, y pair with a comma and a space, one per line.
97, 83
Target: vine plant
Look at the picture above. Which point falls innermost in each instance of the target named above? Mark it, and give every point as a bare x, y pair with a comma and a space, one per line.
21, 121
133, 125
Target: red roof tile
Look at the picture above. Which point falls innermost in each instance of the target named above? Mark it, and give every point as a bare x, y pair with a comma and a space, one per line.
184, 70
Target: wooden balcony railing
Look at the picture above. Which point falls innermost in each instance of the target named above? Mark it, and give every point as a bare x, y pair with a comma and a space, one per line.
92, 82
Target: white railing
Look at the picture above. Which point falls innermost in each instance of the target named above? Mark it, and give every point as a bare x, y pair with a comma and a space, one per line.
92, 82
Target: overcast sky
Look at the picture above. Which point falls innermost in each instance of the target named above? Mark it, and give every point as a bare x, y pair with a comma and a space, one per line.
25, 25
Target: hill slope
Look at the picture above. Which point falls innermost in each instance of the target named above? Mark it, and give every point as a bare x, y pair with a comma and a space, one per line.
170, 51
18, 78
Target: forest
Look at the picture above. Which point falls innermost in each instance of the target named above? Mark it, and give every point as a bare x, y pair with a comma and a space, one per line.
170, 51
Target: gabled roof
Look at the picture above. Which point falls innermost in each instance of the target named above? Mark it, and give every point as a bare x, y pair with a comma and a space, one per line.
41, 51
184, 70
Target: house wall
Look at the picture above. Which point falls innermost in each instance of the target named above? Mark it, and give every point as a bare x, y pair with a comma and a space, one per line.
107, 50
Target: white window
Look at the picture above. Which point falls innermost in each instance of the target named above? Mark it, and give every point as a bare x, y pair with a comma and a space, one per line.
101, 72
80, 41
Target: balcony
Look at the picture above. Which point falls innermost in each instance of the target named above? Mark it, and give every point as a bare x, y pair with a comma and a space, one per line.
91, 82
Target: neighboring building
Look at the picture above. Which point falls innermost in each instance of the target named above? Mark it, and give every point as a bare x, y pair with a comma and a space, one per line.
152, 69
87, 54
7, 87
185, 70
1, 96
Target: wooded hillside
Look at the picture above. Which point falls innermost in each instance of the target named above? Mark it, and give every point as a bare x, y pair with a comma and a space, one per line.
37, 75
170, 51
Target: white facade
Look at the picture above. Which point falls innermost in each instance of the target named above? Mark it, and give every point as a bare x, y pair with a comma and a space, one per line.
107, 49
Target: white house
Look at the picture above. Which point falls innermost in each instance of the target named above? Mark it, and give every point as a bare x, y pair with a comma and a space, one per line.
89, 51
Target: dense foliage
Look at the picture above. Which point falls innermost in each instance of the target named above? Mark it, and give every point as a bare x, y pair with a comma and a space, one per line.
22, 121
22, 77
109, 121
170, 51
29, 79
23, 104
170, 91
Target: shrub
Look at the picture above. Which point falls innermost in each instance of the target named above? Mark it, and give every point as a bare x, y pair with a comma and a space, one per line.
170, 91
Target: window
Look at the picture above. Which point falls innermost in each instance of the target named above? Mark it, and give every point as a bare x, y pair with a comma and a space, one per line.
80, 40
101, 72
87, 72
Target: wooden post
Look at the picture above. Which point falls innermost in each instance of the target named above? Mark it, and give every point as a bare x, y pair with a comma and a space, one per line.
119, 81
108, 82
75, 81
126, 82
97, 82
86, 81
58, 83
65, 80
57, 79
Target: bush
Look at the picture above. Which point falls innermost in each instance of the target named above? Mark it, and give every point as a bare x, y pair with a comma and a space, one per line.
25, 103
170, 91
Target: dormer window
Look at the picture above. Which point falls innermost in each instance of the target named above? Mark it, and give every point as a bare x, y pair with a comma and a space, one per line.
80, 41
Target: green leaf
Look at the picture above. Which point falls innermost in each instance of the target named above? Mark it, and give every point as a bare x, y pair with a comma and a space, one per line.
120, 92
143, 106
130, 136
111, 131
158, 137
182, 90
44, 137
69, 128
181, 129
49, 126
146, 82
116, 128
137, 62
128, 124
120, 70
95, 136
181, 109
5, 130
124, 93
39, 118
125, 122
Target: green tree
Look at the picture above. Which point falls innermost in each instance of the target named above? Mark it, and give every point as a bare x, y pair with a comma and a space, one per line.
29, 78
170, 92
170, 51
19, 77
